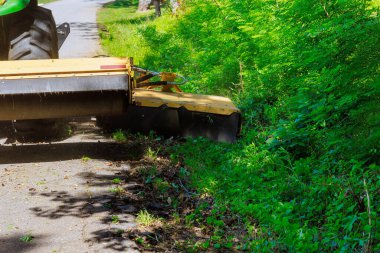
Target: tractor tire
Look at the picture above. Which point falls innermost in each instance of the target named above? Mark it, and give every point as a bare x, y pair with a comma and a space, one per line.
34, 36
4, 41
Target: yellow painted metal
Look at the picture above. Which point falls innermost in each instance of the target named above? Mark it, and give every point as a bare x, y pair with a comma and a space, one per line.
112, 66
169, 77
192, 102
110, 73
62, 67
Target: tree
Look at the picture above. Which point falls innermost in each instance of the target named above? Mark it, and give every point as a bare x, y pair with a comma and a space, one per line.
157, 7
144, 5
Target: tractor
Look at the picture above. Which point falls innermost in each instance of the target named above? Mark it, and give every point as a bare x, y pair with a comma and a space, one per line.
38, 90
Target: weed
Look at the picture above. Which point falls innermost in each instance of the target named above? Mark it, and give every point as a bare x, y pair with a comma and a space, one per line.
115, 219
151, 154
146, 219
41, 183
161, 185
116, 180
176, 217
26, 238
149, 173
119, 136
69, 131
117, 190
85, 158
140, 240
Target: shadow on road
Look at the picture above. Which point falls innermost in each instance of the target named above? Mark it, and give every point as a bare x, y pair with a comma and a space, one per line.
105, 203
13, 243
88, 31
67, 151
123, 199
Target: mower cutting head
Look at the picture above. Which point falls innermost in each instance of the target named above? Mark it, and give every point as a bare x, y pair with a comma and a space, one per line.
115, 89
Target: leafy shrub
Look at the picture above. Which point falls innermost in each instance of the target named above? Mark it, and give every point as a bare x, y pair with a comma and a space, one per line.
305, 174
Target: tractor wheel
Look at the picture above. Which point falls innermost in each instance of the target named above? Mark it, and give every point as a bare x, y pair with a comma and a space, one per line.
34, 36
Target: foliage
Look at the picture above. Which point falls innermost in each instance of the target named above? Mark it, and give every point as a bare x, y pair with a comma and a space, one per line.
146, 219
115, 219
305, 175
119, 136
45, 1
117, 180
26, 238
85, 158
118, 30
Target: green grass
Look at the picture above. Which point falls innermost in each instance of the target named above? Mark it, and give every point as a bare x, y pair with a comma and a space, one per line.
115, 219
123, 31
85, 158
117, 190
26, 238
151, 154
119, 136
146, 219
304, 177
119, 29
116, 180
46, 1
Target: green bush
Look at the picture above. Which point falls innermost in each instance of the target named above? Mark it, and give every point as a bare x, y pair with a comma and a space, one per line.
305, 173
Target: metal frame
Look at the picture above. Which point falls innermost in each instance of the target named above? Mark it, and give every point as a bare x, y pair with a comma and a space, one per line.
98, 75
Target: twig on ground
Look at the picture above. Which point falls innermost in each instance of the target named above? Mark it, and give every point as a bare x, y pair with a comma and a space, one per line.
367, 247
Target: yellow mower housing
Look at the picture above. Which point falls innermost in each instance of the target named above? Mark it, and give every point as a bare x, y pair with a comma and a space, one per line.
113, 88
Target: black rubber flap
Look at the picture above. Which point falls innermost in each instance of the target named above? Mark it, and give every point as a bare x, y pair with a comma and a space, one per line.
177, 122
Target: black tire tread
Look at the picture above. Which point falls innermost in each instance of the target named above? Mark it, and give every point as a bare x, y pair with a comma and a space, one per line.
35, 37
40, 41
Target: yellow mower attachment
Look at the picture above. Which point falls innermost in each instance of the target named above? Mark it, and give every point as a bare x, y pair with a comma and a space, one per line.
116, 89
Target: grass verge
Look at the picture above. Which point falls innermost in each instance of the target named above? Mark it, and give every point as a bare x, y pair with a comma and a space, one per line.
281, 188
119, 26
46, 1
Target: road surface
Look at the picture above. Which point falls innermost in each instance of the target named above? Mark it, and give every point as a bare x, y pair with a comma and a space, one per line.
81, 15
55, 197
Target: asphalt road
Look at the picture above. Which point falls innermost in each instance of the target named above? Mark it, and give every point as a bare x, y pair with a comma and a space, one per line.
53, 197
81, 15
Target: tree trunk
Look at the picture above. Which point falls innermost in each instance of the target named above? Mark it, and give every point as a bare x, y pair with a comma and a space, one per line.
157, 6
144, 5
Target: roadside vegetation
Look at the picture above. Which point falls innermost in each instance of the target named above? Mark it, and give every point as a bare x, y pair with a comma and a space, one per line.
45, 1
305, 174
